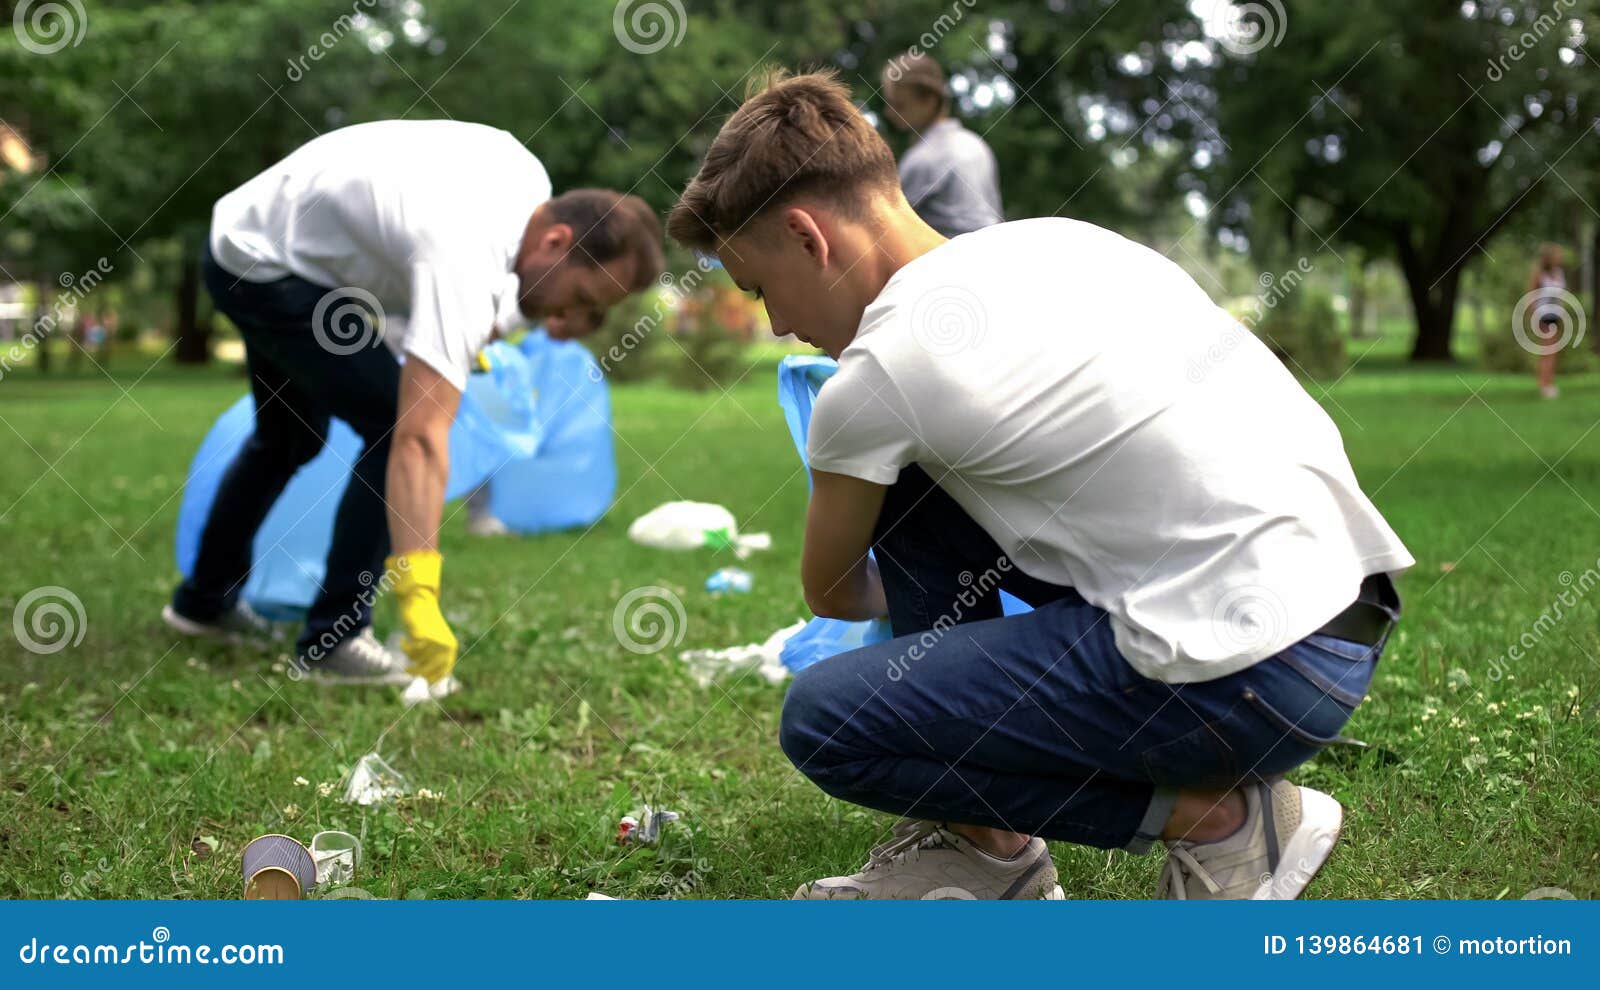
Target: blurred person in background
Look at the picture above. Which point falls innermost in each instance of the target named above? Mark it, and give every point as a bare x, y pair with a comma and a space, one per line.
1549, 280
365, 272
949, 174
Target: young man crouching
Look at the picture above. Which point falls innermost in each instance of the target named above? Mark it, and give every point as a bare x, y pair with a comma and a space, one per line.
1045, 407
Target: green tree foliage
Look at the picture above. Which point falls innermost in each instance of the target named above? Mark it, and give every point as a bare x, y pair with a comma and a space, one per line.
1415, 131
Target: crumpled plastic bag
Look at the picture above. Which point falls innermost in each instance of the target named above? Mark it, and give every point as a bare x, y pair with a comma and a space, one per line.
691, 525
765, 657
374, 781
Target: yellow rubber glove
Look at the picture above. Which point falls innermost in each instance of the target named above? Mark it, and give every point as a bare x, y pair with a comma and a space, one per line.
428, 640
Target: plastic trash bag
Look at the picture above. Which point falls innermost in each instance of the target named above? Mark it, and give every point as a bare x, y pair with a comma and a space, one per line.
374, 781
765, 657
800, 378
691, 525
536, 427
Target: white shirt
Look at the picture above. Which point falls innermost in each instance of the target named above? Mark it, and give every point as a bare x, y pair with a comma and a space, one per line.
1113, 430
425, 215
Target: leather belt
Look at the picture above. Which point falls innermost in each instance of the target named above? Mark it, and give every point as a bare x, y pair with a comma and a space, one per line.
1368, 619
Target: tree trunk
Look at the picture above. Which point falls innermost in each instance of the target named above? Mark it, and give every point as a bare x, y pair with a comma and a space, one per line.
1357, 273
1433, 301
1594, 277
194, 338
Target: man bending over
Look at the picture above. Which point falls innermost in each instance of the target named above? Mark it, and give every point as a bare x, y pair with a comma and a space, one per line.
1210, 586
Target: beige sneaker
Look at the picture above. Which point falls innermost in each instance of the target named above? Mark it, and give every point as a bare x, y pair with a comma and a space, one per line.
1287, 835
926, 861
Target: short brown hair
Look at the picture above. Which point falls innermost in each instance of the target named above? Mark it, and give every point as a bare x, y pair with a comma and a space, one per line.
796, 136
920, 71
607, 225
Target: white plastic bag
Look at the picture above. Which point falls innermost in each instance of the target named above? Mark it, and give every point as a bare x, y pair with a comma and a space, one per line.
691, 525
372, 781
706, 665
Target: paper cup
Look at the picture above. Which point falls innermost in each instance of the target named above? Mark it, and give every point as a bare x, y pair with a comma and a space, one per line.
277, 868
337, 854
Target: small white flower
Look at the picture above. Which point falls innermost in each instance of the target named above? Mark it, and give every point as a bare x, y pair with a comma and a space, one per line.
301, 782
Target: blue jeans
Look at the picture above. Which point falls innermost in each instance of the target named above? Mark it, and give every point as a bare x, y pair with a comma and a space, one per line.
1034, 723
298, 384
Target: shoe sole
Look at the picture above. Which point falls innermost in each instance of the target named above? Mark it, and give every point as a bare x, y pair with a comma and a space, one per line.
1321, 822
325, 679
199, 630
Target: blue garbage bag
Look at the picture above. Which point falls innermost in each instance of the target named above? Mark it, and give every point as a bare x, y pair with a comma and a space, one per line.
536, 427
800, 378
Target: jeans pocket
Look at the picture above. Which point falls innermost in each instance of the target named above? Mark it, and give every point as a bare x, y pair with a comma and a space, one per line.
1337, 667
1294, 728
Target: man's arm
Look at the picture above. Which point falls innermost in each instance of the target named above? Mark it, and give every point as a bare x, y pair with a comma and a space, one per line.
841, 581
419, 457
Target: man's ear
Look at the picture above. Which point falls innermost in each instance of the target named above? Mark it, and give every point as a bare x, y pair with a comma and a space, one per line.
802, 227
556, 239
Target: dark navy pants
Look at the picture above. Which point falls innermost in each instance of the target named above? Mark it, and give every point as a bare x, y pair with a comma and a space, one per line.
1035, 723
298, 382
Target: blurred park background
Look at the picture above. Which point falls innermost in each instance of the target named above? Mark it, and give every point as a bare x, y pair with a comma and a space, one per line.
1402, 161
1366, 183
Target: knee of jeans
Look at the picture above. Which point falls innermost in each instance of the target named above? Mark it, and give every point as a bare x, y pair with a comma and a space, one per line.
802, 732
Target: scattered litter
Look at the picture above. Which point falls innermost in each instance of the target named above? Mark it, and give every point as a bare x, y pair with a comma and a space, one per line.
644, 828
372, 781
419, 690
730, 579
706, 665
277, 868
337, 854
691, 525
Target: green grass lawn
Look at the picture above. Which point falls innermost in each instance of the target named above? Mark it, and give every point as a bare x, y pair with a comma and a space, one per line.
120, 753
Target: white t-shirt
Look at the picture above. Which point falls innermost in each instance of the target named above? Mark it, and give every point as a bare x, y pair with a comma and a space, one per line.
1113, 430
426, 215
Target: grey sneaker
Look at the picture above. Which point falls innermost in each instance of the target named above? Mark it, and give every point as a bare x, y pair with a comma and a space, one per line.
240, 626
361, 659
1287, 835
926, 861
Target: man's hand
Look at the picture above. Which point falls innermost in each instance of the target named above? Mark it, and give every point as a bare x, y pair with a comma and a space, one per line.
419, 466
841, 581
428, 640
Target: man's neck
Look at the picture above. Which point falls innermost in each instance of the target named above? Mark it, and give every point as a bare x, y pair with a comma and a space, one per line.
905, 238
